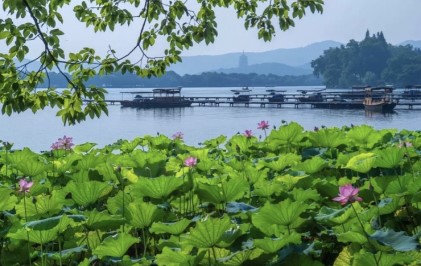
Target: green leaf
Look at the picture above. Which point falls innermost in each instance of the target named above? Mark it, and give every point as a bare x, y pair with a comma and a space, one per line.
157, 188
390, 157
272, 245
311, 166
327, 137
345, 257
103, 221
63, 221
171, 257
222, 192
142, 214
399, 241
207, 232
7, 201
362, 163
115, 246
175, 228
85, 193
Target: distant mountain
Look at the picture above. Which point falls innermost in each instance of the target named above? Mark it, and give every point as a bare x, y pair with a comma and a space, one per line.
415, 44
268, 68
295, 57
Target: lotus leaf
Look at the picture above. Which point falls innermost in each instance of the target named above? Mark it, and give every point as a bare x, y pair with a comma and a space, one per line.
171, 257
208, 232
175, 228
352, 237
215, 142
90, 161
236, 207
157, 188
345, 257
85, 193
289, 181
103, 221
64, 254
390, 157
222, 192
266, 188
301, 259
364, 136
399, 241
286, 213
84, 148
239, 258
272, 245
39, 236
238, 144
334, 216
142, 214
151, 163
61, 222
7, 201
286, 160
290, 134
303, 195
366, 258
51, 204
107, 172
116, 204
115, 246
311, 166
362, 163
328, 138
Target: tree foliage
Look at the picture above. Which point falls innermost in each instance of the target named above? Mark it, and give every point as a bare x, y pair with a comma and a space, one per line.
180, 25
372, 61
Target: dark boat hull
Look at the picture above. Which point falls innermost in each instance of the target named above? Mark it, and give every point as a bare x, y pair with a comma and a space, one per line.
339, 105
156, 104
381, 107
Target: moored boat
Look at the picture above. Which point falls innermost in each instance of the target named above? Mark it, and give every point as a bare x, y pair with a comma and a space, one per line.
383, 103
157, 98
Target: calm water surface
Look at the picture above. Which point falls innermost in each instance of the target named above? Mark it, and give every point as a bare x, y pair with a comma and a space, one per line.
39, 131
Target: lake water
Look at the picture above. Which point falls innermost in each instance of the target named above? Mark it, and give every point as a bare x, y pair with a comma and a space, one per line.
38, 131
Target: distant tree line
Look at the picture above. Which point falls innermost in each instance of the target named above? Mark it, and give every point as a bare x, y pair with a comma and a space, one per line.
370, 62
208, 79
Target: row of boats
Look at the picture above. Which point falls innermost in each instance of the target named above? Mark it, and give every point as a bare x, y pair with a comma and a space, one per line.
369, 98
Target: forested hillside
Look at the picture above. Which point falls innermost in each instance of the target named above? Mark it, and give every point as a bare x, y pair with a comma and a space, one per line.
370, 62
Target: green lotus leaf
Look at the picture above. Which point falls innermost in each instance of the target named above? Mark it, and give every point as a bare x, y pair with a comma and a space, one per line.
208, 232
362, 163
62, 222
85, 193
171, 257
207, 164
367, 258
240, 257
35, 236
345, 257
116, 204
272, 245
160, 142
157, 188
129, 146
239, 144
302, 260
142, 214
222, 192
66, 253
175, 228
115, 246
31, 167
290, 134
327, 137
107, 172
311, 166
289, 180
7, 201
286, 160
84, 148
103, 221
15, 158
388, 205
42, 204
352, 237
286, 213
266, 188
364, 136
390, 157
334, 216
151, 163
215, 142
399, 241
90, 161
229, 237
302, 195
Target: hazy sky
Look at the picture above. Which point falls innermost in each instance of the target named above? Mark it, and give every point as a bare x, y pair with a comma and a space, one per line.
341, 21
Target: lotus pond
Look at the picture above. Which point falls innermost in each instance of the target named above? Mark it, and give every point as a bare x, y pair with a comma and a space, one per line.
332, 196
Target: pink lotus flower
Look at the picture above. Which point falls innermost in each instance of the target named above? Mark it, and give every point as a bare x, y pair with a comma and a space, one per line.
263, 125
190, 161
248, 133
347, 194
178, 135
24, 186
65, 143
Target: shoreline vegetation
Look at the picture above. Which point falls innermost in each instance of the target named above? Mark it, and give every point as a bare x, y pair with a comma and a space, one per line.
327, 196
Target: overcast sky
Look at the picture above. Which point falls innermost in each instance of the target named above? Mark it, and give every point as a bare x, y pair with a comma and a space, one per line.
341, 21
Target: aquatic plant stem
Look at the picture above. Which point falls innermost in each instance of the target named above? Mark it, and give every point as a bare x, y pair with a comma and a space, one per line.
27, 232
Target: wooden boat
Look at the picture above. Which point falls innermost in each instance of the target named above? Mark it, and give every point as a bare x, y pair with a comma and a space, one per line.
157, 98
242, 95
315, 96
374, 103
276, 96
